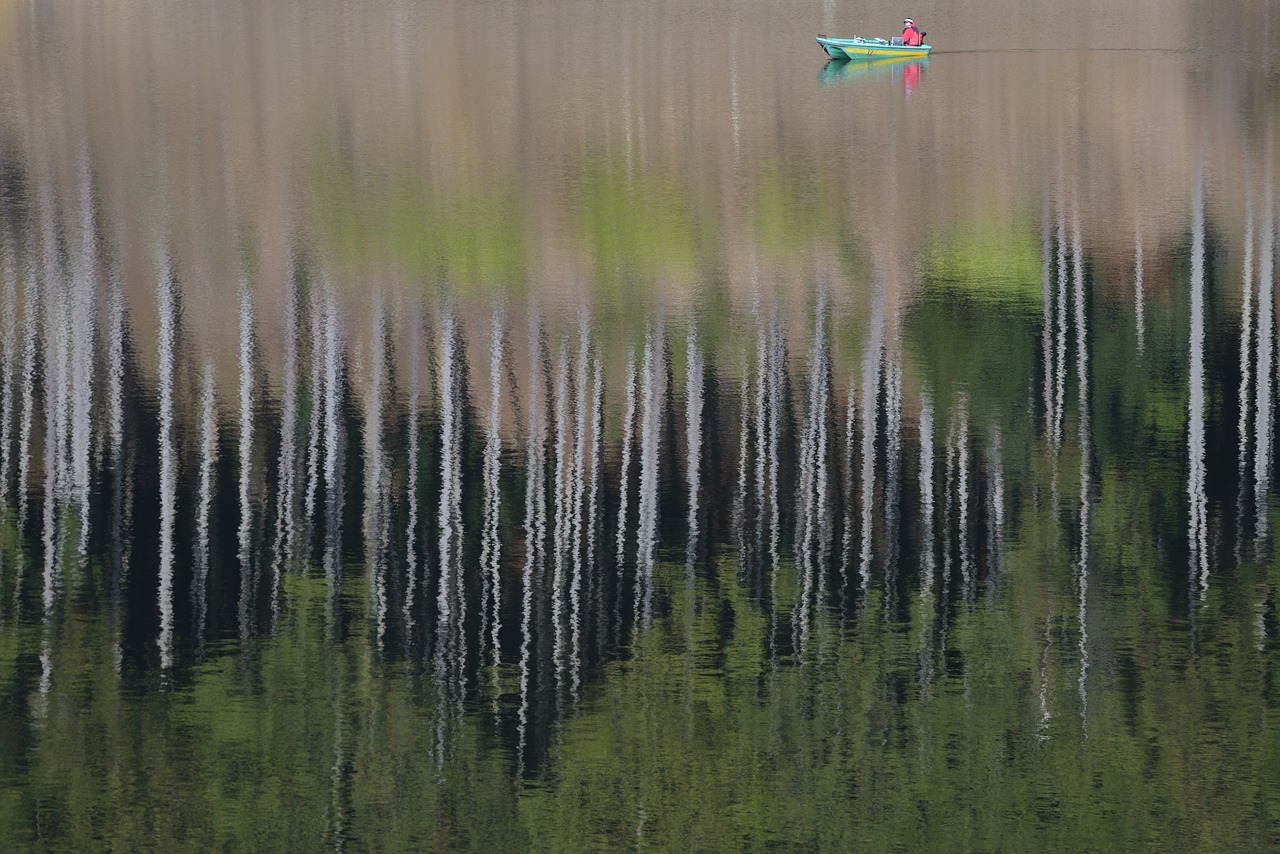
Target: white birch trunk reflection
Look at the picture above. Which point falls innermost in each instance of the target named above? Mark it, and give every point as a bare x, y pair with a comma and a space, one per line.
333, 448
1265, 336
1060, 360
167, 301
1139, 295
846, 543
534, 531
578, 491
450, 638
244, 536
811, 496
949, 480
624, 472
287, 466
30, 332
927, 559
893, 475
376, 471
967, 580
694, 368
872, 362
491, 545
58, 306
8, 361
204, 507
596, 597
1196, 496
121, 480
761, 422
412, 429
560, 533
83, 324
1046, 327
1083, 426
995, 511
1246, 369
316, 425
776, 379
652, 381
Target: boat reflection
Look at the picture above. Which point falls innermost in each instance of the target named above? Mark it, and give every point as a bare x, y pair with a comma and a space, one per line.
910, 71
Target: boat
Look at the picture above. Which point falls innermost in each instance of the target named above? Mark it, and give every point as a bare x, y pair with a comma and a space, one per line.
858, 48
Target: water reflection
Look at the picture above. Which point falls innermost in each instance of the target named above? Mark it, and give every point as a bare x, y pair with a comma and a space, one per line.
932, 485
794, 475
571, 593
909, 71
629, 437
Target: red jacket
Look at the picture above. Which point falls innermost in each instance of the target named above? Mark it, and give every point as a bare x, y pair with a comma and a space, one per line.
911, 36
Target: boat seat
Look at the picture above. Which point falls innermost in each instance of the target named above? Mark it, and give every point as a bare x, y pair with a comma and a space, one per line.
896, 41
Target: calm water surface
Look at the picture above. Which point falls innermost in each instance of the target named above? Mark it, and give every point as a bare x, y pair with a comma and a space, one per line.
571, 425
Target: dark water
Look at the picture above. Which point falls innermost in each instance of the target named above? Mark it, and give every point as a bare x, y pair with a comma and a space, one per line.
575, 426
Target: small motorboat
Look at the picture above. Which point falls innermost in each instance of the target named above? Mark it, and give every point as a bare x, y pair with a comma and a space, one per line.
858, 48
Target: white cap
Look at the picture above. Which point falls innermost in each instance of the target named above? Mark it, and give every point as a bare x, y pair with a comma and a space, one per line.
907, 21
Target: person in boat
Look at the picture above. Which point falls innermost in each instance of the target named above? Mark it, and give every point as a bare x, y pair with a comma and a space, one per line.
911, 36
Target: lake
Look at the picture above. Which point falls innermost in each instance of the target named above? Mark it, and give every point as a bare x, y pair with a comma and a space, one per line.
579, 425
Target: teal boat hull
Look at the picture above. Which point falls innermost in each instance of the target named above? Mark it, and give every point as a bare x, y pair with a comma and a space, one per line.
858, 48
832, 47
